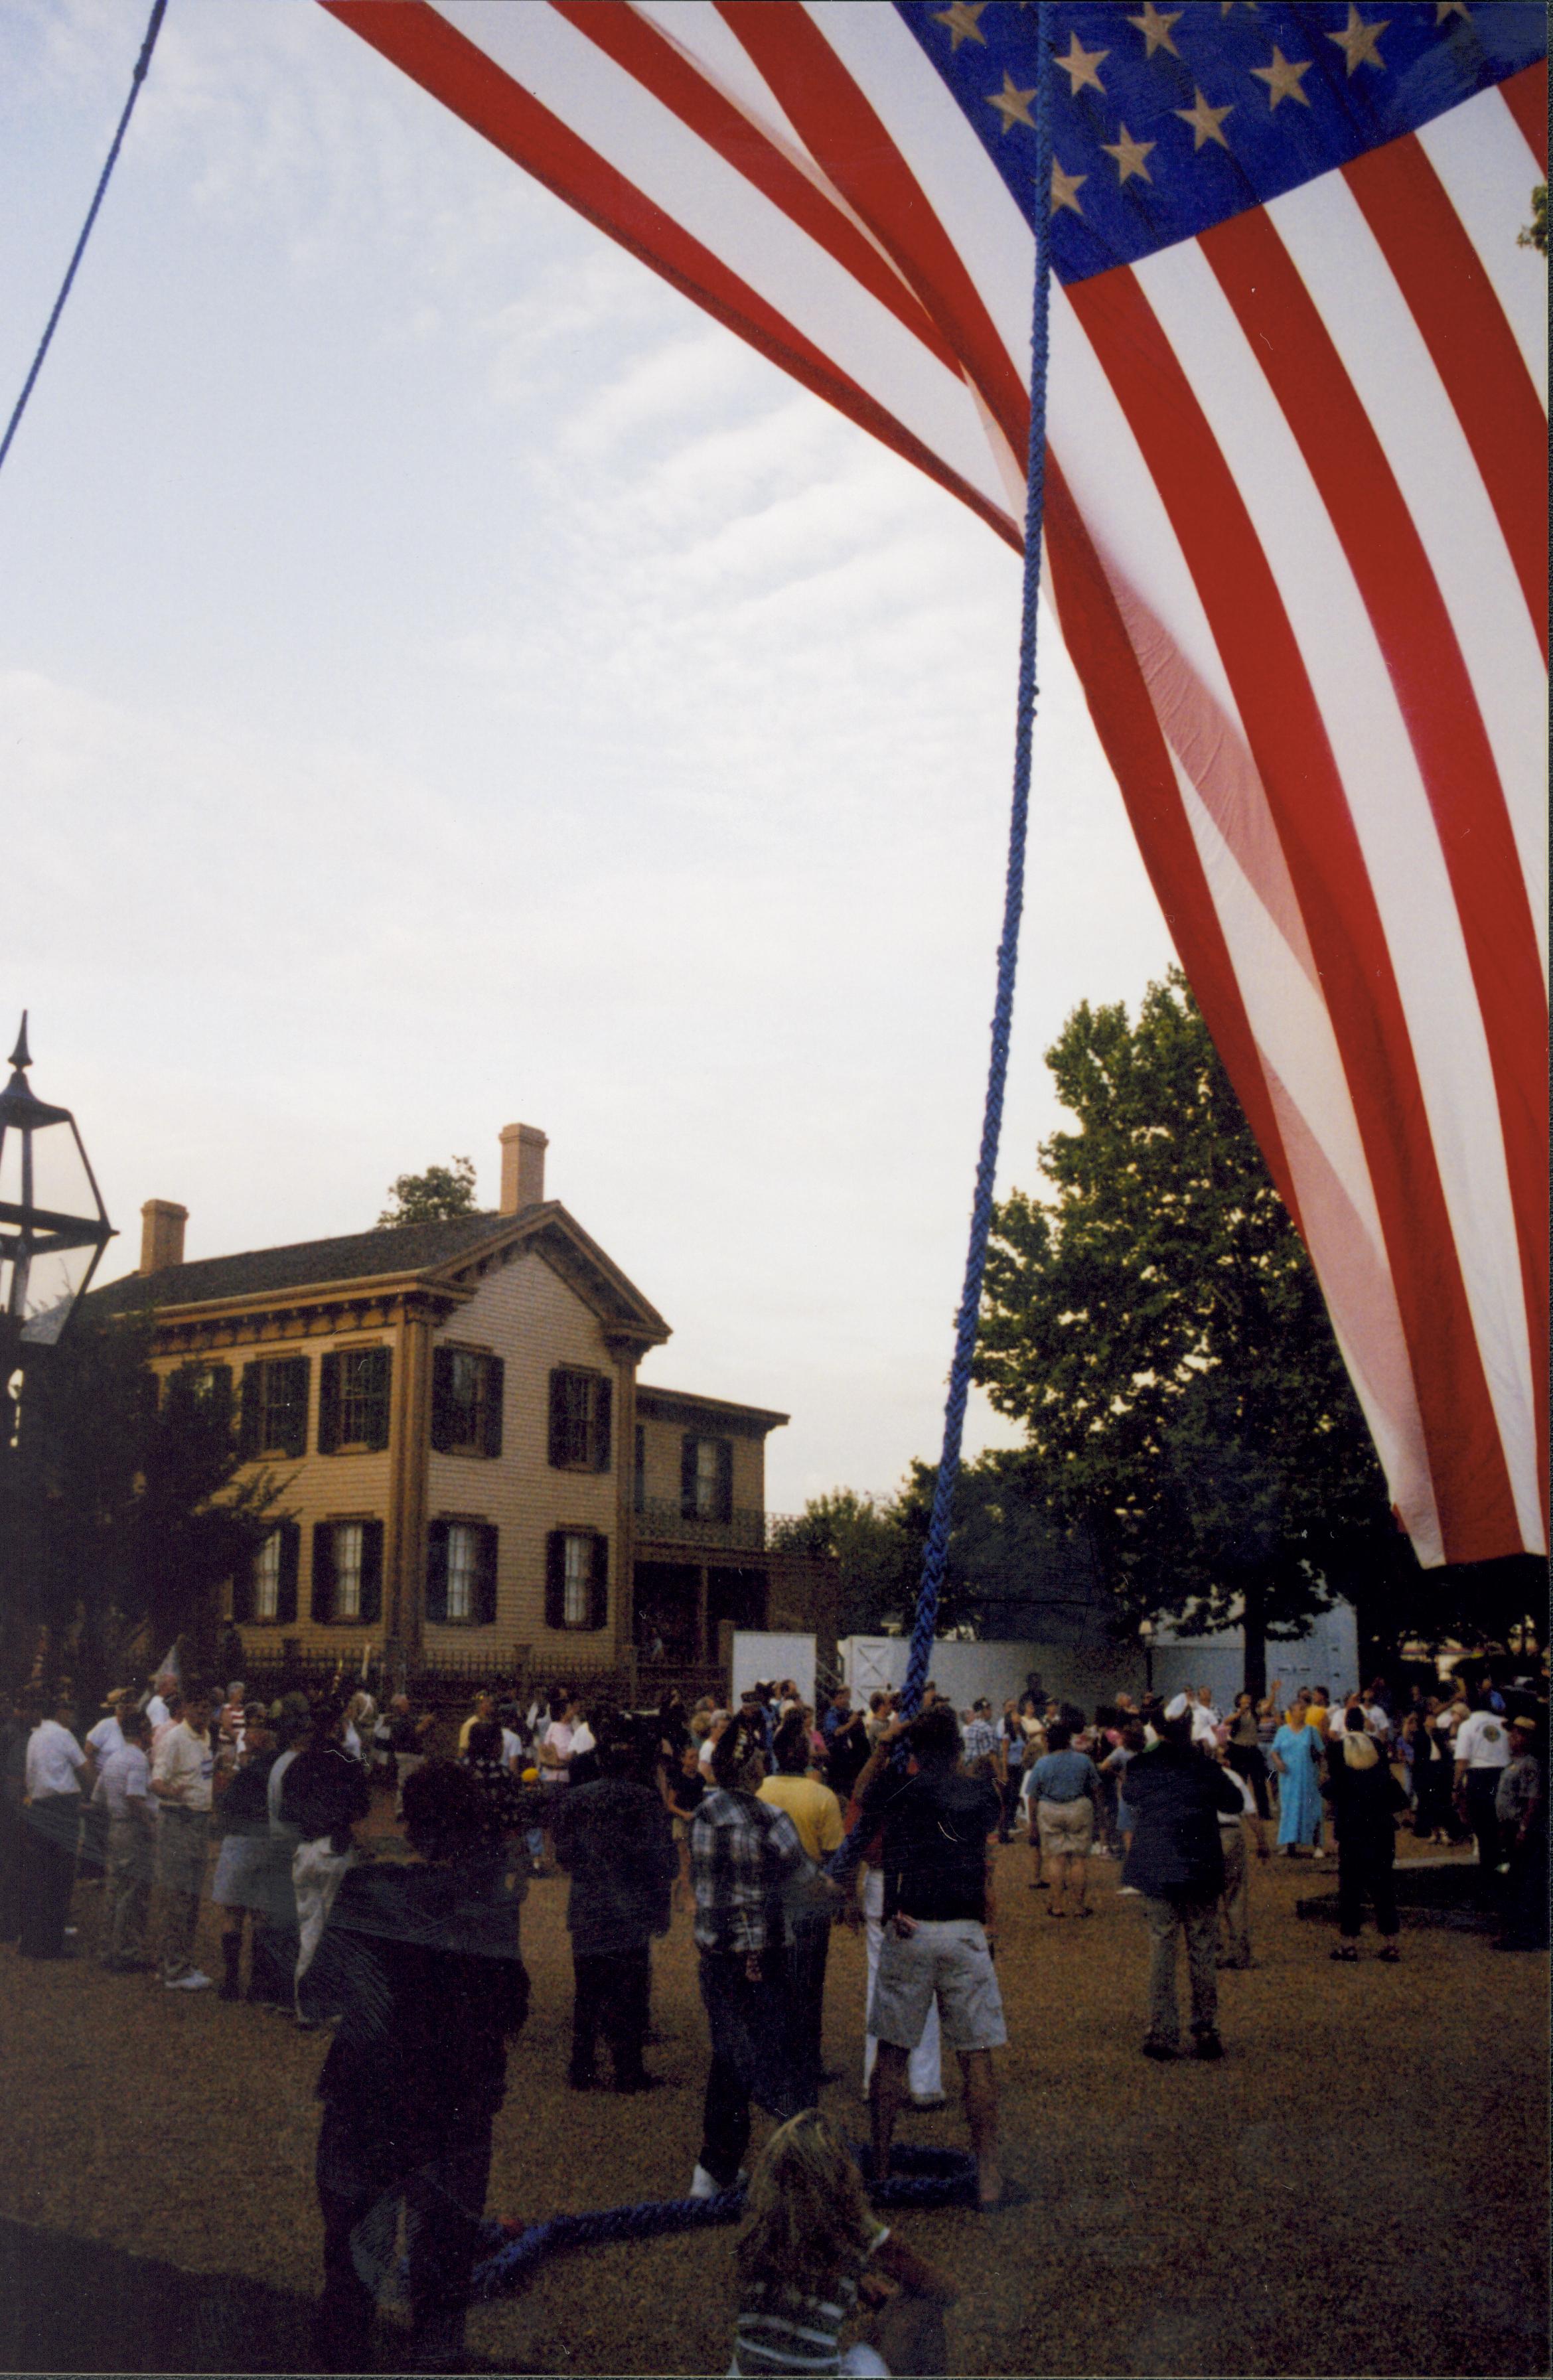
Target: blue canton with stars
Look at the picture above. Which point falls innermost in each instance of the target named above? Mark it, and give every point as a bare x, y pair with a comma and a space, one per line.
1168, 119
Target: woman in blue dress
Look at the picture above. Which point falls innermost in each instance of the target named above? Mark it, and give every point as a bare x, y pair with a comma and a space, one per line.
1296, 1756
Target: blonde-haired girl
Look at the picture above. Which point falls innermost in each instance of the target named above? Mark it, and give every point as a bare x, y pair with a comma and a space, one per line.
811, 2248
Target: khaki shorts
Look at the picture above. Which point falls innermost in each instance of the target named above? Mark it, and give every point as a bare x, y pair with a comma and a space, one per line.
950, 1962
1066, 1828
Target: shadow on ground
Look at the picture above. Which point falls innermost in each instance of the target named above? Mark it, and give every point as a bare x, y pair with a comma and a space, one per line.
76, 2305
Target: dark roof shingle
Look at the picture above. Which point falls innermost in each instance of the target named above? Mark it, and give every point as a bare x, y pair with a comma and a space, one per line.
359, 1256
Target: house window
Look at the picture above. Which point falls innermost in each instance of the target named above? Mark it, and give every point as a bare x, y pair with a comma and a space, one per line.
463, 1571
578, 1576
349, 1536
467, 1401
202, 1388
577, 1579
348, 1571
267, 1578
706, 1479
579, 1421
359, 1393
353, 1399
274, 1413
264, 1588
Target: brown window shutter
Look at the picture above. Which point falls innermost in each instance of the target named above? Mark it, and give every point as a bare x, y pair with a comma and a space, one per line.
441, 1399
324, 1568
495, 1385
381, 1373
436, 1572
291, 1550
295, 1371
603, 1407
485, 1584
372, 1570
329, 1404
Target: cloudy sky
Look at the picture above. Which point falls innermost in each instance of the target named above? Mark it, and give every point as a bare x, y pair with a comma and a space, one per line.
445, 680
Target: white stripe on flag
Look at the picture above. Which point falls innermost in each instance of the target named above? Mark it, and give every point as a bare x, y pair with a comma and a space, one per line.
1487, 174
1393, 375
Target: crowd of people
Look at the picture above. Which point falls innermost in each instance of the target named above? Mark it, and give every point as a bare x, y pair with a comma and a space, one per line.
769, 1822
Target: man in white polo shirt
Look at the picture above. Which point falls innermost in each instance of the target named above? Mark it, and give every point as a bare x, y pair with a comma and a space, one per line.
1482, 1752
182, 1768
56, 1770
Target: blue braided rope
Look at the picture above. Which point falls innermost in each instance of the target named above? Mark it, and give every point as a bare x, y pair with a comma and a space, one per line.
923, 2177
937, 1550
141, 64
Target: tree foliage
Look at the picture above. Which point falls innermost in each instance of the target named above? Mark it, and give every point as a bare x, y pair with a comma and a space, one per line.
438, 1195
875, 1552
124, 1508
1156, 1326
1535, 234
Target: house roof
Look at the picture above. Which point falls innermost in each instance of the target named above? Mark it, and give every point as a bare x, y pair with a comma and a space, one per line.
305, 1264
683, 1404
424, 1251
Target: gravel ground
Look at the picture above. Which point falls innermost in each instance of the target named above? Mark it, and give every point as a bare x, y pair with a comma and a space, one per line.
1359, 2187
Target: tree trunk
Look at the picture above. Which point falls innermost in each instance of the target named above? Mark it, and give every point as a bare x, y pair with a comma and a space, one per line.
1254, 1624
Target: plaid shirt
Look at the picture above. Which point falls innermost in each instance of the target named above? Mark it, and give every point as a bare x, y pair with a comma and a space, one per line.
742, 1853
980, 1741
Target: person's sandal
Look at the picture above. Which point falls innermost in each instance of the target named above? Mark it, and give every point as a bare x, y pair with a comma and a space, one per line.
1347, 1954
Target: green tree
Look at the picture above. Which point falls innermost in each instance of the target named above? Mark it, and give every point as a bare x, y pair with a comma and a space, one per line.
128, 1507
1535, 234
1156, 1326
877, 1554
438, 1195
1009, 1571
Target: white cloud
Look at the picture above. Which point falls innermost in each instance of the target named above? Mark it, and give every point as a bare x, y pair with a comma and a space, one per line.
471, 686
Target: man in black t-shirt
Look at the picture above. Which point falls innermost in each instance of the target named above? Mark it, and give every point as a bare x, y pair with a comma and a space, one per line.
938, 1920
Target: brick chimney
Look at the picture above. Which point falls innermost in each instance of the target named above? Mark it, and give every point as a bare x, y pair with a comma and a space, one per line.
162, 1234
523, 1166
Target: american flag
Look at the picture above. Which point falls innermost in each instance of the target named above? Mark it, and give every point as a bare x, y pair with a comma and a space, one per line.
1296, 525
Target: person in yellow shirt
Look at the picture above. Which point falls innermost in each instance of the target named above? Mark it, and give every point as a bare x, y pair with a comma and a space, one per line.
485, 1707
816, 1817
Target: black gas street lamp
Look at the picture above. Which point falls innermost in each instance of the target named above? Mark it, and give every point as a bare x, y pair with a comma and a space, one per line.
54, 1226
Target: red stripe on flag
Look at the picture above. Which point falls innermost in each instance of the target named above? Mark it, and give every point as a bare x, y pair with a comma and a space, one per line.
1288, 737
843, 134
1096, 638
1525, 95
1346, 459
434, 54
1472, 345
635, 45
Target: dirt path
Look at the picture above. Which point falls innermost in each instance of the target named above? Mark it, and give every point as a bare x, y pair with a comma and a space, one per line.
1358, 2188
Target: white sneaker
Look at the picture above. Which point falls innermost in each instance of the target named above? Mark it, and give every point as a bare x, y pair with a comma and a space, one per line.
1128, 1890
703, 2186
193, 1982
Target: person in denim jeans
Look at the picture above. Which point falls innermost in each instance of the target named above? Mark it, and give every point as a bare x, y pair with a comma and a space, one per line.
745, 1857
